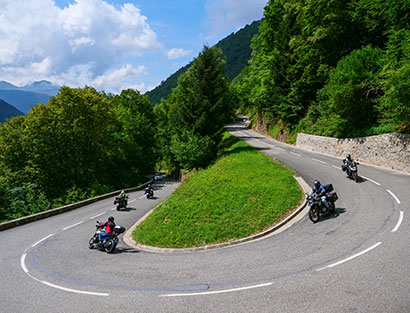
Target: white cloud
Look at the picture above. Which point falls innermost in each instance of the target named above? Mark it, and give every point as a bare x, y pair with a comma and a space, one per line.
176, 53
225, 15
87, 41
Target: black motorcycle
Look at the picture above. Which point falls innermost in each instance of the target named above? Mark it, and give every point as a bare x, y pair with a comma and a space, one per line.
110, 242
317, 208
149, 193
121, 203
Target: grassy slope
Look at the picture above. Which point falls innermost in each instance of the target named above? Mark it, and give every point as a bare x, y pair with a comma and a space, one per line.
241, 194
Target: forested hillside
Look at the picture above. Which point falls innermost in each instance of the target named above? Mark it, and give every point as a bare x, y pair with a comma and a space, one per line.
236, 49
81, 144
7, 111
338, 68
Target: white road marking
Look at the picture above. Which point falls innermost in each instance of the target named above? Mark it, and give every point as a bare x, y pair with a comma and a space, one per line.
294, 153
133, 200
113, 209
142, 197
371, 180
214, 292
399, 222
71, 226
22, 263
281, 149
351, 257
95, 216
23, 266
316, 160
74, 290
337, 167
42, 240
394, 196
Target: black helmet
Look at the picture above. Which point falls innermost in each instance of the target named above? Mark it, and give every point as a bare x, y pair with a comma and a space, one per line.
111, 219
317, 183
348, 156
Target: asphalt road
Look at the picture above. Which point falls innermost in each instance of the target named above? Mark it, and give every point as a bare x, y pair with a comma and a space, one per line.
356, 260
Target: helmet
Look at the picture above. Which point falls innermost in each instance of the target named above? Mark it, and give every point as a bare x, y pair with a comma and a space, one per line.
122, 191
348, 156
317, 183
111, 219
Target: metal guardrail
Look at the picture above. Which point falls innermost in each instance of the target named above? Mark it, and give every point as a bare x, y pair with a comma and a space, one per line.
66, 208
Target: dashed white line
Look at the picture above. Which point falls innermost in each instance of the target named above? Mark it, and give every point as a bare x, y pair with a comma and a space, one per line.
214, 292
281, 149
394, 196
371, 180
399, 222
42, 240
95, 216
316, 160
71, 226
132, 200
351, 257
294, 153
337, 167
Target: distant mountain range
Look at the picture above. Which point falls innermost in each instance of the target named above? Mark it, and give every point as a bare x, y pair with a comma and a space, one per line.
236, 48
22, 98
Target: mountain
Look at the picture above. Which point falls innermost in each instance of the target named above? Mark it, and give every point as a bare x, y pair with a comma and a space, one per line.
42, 86
237, 50
24, 97
8, 111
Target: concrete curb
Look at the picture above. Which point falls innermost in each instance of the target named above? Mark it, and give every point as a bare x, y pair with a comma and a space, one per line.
127, 238
66, 208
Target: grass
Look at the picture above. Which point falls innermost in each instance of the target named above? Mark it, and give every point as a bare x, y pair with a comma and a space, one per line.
243, 193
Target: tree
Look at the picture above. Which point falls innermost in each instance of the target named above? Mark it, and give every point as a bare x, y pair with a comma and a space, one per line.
135, 153
202, 103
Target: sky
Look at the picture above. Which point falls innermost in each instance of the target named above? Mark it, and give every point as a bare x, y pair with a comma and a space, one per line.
112, 45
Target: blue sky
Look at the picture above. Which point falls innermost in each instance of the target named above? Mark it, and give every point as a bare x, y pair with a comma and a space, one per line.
112, 44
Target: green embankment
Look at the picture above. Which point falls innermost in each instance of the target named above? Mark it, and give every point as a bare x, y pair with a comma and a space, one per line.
243, 193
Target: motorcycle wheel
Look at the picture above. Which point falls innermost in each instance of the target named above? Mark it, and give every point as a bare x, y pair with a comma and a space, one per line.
118, 208
332, 207
109, 246
91, 243
314, 214
354, 176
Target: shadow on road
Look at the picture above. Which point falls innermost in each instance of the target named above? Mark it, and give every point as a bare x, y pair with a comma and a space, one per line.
120, 250
338, 212
128, 209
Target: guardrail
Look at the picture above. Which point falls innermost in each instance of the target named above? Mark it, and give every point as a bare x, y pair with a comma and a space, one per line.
66, 208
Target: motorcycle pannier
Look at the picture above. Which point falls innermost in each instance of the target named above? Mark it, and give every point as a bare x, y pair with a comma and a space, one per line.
119, 229
333, 196
328, 187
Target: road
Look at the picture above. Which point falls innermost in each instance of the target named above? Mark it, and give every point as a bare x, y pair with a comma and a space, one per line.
356, 260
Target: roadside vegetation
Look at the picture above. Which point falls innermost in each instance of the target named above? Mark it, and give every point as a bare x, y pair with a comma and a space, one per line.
241, 194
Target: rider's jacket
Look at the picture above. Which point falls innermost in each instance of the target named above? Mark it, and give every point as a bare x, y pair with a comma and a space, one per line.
321, 190
109, 227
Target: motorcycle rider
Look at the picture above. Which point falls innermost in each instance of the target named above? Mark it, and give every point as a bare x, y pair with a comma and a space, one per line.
319, 190
122, 196
347, 162
149, 189
109, 228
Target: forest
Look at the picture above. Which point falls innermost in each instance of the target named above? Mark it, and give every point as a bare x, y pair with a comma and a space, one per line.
337, 68
330, 67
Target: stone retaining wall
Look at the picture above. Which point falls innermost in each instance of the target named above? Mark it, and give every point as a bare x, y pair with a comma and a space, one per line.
391, 151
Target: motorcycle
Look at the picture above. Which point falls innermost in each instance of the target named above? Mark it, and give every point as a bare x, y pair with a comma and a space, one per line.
149, 193
351, 170
317, 207
109, 242
121, 203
